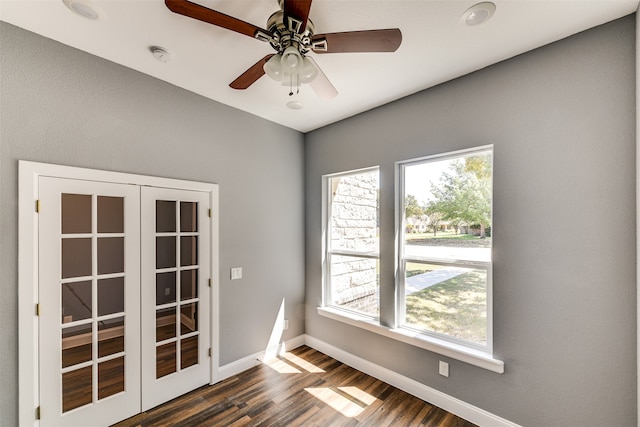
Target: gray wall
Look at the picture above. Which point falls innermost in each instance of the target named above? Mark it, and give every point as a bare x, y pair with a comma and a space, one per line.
63, 106
562, 121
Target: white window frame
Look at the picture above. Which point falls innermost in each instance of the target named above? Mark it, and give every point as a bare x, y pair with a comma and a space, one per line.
482, 358
328, 251
464, 263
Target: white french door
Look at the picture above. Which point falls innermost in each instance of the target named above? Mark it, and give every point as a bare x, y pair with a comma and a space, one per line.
123, 285
89, 288
176, 293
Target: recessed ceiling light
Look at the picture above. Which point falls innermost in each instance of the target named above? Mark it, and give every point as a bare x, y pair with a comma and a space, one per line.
478, 13
160, 53
295, 105
83, 8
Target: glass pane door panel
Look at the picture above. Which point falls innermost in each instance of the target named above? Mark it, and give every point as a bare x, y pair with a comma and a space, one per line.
76, 301
165, 324
188, 250
110, 214
76, 213
165, 359
165, 288
110, 336
110, 377
110, 296
76, 258
76, 345
110, 255
165, 216
188, 318
165, 252
188, 217
77, 388
188, 284
188, 352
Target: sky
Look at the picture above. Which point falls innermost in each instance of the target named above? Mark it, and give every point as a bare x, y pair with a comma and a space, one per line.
418, 178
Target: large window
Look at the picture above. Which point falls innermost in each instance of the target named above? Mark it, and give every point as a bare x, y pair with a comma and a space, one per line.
445, 250
352, 277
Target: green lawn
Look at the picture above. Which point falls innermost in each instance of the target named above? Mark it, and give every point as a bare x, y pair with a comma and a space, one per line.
456, 307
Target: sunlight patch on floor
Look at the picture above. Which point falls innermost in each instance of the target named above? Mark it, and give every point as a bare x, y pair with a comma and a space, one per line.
307, 366
282, 367
340, 403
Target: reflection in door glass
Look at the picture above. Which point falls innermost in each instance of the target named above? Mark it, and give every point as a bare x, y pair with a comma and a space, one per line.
188, 352
76, 258
76, 388
165, 216
76, 213
188, 318
110, 296
110, 255
165, 324
165, 359
165, 288
110, 377
76, 345
188, 284
188, 217
110, 336
165, 252
110, 214
188, 250
76, 301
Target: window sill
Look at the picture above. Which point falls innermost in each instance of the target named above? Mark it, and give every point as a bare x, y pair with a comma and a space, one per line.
474, 357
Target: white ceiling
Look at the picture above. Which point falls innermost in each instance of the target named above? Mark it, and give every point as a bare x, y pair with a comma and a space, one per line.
436, 45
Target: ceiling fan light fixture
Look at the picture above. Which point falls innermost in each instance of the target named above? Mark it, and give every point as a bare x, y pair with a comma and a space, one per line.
291, 60
478, 14
308, 72
273, 67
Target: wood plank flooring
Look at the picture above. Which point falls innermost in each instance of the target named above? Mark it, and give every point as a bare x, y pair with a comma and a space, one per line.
301, 388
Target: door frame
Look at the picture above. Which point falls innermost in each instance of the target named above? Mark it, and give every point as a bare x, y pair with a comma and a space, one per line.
28, 333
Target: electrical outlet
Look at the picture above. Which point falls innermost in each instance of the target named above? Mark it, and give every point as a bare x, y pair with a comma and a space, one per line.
236, 273
285, 324
167, 291
443, 369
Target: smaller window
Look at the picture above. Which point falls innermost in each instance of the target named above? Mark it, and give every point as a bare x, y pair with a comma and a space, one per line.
352, 255
445, 249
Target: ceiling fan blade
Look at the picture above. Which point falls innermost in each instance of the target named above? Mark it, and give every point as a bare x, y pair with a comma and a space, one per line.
357, 41
321, 84
250, 76
204, 14
298, 10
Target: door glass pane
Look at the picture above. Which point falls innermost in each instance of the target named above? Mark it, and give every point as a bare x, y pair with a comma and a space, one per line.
110, 214
110, 255
76, 258
188, 250
110, 296
76, 345
110, 377
110, 336
165, 324
188, 217
76, 213
188, 318
76, 301
165, 252
165, 288
188, 284
165, 359
188, 352
76, 388
165, 216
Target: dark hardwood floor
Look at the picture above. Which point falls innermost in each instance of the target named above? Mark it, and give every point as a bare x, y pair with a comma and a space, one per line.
301, 388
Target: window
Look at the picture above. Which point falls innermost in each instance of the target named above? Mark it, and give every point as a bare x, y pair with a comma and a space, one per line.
445, 250
352, 279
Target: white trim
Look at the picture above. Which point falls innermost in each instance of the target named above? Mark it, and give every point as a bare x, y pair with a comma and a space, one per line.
248, 362
638, 214
455, 351
28, 174
448, 403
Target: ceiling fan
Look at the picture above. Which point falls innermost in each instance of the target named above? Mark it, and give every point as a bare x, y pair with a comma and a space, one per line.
292, 35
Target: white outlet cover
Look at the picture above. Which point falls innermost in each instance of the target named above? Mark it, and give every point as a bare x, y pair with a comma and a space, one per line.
443, 369
236, 273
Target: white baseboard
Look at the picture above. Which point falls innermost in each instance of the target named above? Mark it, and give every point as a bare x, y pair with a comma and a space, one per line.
241, 365
448, 403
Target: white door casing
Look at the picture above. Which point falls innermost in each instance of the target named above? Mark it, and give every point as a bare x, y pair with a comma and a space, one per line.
33, 408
